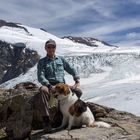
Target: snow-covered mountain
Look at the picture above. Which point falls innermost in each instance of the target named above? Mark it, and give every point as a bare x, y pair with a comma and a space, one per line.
109, 75
89, 41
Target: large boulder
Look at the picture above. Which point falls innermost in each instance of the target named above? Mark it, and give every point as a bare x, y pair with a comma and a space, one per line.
124, 126
16, 111
20, 111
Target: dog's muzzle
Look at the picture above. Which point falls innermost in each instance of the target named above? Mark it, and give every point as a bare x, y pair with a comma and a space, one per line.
55, 94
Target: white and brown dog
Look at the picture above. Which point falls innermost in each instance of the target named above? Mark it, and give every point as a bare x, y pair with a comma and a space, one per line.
75, 111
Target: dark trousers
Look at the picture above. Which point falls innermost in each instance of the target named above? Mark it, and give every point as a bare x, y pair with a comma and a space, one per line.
44, 99
51, 116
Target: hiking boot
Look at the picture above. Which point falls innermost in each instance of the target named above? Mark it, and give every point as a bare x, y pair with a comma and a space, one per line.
47, 129
47, 124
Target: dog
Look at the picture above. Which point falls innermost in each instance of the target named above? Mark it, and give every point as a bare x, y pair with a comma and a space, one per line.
75, 111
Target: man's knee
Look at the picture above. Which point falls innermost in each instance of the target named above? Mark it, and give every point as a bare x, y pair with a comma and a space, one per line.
44, 92
44, 89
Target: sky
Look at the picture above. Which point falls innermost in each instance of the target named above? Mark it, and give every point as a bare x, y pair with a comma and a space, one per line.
114, 21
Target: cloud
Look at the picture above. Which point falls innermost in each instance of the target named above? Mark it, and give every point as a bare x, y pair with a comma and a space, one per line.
110, 27
43, 11
94, 18
133, 35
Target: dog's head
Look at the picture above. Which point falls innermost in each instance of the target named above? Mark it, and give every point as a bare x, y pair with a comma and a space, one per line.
61, 91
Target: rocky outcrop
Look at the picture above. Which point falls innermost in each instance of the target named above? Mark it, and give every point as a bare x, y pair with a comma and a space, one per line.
16, 112
124, 126
15, 59
90, 41
19, 114
20, 111
11, 24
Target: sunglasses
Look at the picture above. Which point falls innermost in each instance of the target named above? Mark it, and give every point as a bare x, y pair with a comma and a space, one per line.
51, 47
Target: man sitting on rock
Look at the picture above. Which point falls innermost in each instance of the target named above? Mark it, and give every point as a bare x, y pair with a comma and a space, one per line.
50, 71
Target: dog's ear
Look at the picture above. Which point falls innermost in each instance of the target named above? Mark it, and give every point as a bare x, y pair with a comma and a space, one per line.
66, 89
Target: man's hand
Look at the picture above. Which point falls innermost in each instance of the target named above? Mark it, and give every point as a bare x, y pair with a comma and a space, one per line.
76, 85
52, 90
49, 86
76, 89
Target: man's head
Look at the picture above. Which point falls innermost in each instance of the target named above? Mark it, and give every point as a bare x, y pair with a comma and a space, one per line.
50, 42
50, 47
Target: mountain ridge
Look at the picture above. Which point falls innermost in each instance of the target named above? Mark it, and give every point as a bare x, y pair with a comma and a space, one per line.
11, 24
89, 41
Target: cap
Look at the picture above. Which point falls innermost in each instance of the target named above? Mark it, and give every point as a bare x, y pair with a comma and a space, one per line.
50, 42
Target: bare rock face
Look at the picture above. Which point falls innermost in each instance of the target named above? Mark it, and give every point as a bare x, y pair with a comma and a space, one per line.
15, 59
16, 111
124, 126
90, 41
20, 115
11, 24
20, 111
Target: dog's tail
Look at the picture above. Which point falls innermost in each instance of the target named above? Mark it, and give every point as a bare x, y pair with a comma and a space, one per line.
102, 124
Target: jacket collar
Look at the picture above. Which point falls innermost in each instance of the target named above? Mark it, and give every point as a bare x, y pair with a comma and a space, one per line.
47, 58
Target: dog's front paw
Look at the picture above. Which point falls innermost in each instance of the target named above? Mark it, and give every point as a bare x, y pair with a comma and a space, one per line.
60, 128
68, 128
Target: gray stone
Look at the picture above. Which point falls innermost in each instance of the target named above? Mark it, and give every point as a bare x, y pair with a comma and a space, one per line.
124, 126
19, 114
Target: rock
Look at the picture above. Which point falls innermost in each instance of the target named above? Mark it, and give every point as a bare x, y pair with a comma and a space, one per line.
124, 126
12, 24
90, 41
16, 112
20, 111
20, 115
15, 59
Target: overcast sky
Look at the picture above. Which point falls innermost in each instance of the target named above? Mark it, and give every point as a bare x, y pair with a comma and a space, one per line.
114, 21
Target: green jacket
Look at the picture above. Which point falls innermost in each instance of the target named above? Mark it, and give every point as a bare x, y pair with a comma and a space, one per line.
51, 71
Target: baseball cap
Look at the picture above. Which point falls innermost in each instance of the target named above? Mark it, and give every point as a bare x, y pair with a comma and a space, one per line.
50, 42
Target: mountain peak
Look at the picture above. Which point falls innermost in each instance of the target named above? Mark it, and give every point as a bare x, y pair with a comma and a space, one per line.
89, 41
12, 24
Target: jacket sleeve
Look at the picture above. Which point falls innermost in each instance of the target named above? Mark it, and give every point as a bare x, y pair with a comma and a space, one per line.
70, 69
41, 73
